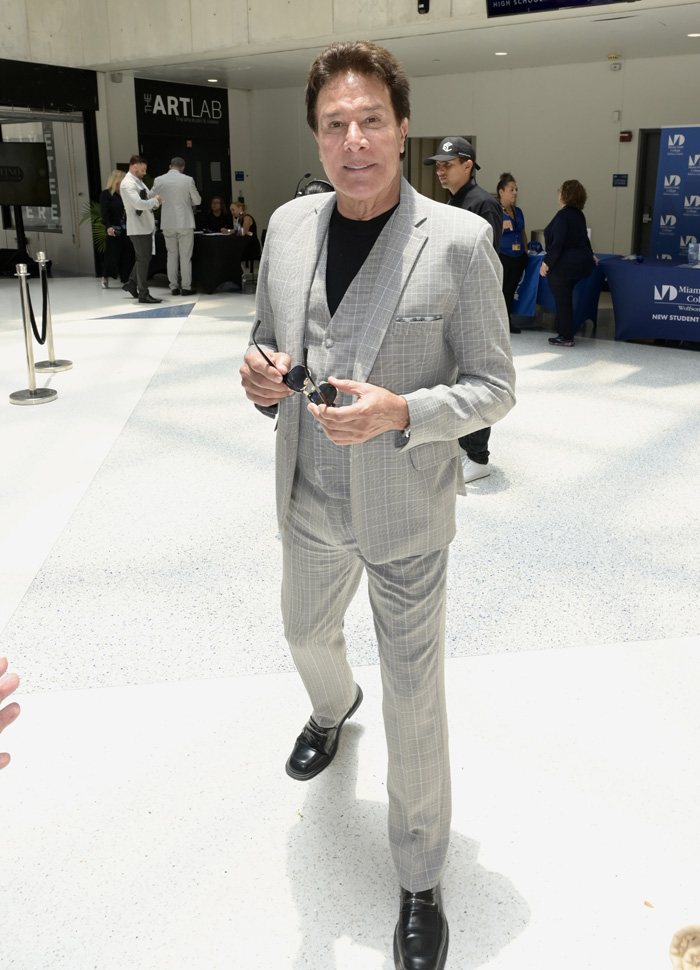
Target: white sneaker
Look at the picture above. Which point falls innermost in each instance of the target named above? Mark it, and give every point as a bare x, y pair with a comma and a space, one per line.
105, 282
473, 470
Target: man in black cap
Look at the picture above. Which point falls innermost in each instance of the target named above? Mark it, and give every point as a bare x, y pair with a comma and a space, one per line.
455, 161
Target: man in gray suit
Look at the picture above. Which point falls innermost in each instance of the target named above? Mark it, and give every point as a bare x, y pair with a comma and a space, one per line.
179, 194
400, 298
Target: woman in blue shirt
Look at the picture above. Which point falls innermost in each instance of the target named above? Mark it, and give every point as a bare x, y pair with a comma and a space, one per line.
513, 249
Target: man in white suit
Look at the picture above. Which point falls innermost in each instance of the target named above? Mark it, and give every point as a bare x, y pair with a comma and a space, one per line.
400, 297
140, 203
180, 195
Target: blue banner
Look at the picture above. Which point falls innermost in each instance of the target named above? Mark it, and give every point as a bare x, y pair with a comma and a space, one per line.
677, 202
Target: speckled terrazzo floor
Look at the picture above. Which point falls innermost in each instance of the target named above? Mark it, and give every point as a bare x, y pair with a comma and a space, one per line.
147, 821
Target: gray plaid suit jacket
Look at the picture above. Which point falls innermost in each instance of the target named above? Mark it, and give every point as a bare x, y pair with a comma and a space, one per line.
436, 333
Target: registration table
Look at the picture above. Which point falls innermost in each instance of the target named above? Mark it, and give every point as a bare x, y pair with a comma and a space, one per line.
534, 291
657, 298
216, 259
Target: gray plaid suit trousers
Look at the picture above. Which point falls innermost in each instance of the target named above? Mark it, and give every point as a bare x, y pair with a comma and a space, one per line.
322, 571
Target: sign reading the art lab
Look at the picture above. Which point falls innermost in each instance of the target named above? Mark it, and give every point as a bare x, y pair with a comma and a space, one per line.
173, 109
677, 202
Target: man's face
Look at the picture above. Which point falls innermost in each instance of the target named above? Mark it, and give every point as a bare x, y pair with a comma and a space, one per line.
359, 143
454, 174
139, 169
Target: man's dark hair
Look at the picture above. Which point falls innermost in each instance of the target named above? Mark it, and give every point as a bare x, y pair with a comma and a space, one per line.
362, 57
573, 194
137, 160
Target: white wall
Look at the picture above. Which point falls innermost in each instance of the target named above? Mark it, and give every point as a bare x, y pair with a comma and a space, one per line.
544, 125
239, 119
117, 115
283, 148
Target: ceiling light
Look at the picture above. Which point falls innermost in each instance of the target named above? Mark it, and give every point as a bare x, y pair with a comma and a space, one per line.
501, 53
693, 35
213, 80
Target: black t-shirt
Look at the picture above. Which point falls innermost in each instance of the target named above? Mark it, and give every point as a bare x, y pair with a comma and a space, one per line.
350, 242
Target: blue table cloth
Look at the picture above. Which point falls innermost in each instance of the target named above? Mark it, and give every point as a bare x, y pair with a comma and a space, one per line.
534, 290
658, 299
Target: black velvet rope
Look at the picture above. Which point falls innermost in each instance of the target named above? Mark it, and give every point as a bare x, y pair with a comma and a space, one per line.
40, 337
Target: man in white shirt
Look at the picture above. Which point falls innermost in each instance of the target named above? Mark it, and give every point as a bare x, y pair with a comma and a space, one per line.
139, 204
180, 195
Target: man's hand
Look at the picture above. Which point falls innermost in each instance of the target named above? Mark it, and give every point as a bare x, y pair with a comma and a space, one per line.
375, 411
8, 684
263, 384
159, 198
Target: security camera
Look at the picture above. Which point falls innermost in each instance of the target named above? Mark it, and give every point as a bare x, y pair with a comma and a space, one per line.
423, 6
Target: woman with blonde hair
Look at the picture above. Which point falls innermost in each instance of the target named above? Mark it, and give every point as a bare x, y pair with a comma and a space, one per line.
119, 253
244, 225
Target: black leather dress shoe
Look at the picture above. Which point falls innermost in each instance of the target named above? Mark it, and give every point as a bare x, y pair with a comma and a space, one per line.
421, 936
149, 299
515, 330
315, 747
188, 292
176, 291
130, 288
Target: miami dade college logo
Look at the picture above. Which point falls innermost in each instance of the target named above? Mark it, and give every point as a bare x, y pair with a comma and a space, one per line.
694, 162
667, 222
665, 293
676, 141
691, 207
687, 240
672, 181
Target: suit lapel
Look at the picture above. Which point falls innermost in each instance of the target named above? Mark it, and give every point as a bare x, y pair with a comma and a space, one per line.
405, 240
307, 244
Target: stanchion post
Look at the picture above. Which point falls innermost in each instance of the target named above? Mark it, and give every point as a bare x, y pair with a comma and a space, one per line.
50, 366
32, 394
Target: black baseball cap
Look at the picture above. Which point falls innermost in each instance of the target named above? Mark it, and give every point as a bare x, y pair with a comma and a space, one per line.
453, 146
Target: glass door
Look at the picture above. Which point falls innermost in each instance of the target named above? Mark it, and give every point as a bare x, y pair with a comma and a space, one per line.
55, 229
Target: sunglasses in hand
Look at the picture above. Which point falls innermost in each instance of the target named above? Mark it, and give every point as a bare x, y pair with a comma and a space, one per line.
299, 379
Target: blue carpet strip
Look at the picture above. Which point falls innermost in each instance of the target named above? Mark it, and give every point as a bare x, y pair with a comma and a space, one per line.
179, 310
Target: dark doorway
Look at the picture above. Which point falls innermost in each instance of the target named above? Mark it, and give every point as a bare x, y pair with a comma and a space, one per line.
647, 170
207, 161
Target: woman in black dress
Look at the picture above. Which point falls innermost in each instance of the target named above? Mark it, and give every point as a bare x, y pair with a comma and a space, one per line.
119, 253
244, 225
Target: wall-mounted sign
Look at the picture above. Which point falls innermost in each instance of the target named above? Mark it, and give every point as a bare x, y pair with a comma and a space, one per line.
620, 180
500, 8
239, 176
163, 108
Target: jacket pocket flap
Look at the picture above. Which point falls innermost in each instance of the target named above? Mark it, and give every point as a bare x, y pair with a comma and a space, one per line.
433, 452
